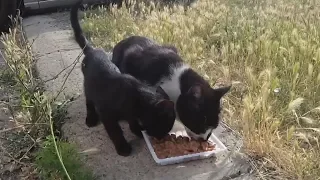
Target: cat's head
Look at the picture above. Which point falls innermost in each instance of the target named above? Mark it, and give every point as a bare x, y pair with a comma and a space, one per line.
199, 109
158, 120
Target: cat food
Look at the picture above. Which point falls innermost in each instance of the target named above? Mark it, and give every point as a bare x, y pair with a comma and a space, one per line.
172, 146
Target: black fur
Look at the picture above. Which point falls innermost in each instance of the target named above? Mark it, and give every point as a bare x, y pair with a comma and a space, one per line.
145, 60
198, 106
112, 96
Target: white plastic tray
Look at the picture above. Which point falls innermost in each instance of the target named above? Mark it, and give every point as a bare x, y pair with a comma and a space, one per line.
220, 147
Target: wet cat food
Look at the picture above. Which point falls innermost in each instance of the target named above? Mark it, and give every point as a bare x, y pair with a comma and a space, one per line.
172, 146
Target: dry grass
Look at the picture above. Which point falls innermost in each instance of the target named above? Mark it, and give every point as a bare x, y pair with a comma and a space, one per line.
270, 48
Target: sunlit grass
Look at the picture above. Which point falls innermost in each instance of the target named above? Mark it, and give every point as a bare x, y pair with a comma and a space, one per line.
271, 48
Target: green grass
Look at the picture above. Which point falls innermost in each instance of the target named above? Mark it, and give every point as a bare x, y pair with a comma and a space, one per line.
269, 49
50, 167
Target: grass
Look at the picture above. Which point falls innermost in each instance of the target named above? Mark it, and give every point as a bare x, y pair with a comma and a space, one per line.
39, 116
50, 168
269, 49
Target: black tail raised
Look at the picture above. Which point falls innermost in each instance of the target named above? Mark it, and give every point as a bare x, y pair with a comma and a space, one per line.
78, 33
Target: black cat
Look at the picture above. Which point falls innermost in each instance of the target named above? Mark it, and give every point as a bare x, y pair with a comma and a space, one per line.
196, 103
112, 96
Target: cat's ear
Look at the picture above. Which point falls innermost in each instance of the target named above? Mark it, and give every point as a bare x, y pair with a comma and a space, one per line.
165, 104
219, 92
173, 48
162, 92
195, 91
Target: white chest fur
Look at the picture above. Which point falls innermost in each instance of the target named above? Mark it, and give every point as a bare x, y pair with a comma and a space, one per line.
171, 84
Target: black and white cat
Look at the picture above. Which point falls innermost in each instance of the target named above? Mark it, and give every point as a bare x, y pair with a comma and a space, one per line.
112, 96
197, 104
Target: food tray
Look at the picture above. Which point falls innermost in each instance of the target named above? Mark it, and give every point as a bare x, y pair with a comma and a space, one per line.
220, 147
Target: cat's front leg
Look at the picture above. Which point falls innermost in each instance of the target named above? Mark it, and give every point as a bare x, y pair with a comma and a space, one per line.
135, 127
92, 118
115, 133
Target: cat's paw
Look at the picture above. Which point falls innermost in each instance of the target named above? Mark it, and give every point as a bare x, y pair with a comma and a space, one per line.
124, 149
92, 121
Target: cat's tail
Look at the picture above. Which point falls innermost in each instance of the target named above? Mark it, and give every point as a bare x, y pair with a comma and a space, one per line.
78, 33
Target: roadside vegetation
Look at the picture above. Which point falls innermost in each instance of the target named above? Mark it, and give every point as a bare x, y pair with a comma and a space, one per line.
37, 118
268, 49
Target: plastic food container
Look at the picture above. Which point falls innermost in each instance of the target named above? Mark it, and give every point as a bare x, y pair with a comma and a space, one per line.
220, 147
